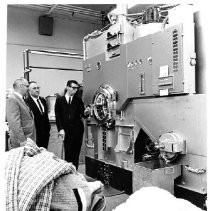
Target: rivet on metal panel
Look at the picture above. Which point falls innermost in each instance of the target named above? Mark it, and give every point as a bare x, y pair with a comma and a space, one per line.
203, 189
88, 68
149, 59
132, 64
192, 62
140, 61
98, 65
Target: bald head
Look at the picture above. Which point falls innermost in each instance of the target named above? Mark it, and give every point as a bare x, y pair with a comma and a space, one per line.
18, 82
20, 85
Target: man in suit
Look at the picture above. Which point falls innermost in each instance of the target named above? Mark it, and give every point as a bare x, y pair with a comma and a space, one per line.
69, 110
19, 116
39, 107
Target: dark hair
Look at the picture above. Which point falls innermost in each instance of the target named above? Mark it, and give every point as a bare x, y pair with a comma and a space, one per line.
70, 82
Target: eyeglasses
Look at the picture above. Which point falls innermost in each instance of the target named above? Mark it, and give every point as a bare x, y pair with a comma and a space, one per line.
36, 88
74, 87
26, 85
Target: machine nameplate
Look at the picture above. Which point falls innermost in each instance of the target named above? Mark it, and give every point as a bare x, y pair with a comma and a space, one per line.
169, 170
165, 81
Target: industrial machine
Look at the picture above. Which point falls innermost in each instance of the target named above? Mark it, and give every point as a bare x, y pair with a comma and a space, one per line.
144, 84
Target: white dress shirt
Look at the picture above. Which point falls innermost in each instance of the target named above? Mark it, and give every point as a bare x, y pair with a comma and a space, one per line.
35, 100
67, 98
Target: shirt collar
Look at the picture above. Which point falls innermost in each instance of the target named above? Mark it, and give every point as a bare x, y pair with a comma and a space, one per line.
68, 96
18, 94
34, 98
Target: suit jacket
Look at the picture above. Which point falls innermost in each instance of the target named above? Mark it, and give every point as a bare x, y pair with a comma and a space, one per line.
21, 121
41, 120
69, 115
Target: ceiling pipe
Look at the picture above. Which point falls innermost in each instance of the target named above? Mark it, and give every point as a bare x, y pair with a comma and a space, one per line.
79, 10
51, 9
67, 10
79, 16
61, 8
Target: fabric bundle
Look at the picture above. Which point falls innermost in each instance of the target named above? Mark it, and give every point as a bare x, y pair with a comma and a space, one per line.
30, 174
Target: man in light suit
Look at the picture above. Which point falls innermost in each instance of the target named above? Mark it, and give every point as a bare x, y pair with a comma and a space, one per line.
20, 118
39, 107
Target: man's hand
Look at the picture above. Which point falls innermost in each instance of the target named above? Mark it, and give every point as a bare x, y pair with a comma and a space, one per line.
87, 111
61, 134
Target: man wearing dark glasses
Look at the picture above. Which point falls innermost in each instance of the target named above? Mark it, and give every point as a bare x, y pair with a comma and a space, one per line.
69, 111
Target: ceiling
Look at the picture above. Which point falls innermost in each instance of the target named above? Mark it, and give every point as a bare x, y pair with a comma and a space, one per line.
95, 13
89, 12
98, 7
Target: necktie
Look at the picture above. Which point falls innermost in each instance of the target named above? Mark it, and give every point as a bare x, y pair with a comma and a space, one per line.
69, 101
40, 107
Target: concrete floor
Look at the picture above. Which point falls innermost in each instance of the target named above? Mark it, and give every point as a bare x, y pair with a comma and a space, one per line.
112, 201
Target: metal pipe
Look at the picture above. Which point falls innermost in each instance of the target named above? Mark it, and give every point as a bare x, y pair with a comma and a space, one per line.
79, 10
84, 49
134, 14
69, 6
27, 59
28, 68
66, 10
82, 17
24, 63
78, 14
57, 53
54, 68
106, 27
168, 6
51, 9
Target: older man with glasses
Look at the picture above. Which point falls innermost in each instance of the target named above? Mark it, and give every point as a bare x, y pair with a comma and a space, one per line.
19, 116
69, 111
39, 107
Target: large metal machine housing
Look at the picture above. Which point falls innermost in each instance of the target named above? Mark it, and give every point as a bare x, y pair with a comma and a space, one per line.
148, 122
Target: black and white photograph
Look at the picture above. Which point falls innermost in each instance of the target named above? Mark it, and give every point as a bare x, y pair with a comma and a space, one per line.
105, 106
